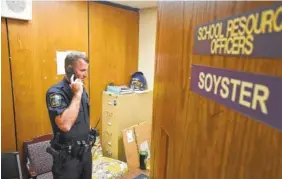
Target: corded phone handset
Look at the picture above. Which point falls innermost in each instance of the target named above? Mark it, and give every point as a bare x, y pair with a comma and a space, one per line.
70, 74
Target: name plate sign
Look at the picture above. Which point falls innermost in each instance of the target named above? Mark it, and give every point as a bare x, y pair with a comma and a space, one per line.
254, 95
257, 33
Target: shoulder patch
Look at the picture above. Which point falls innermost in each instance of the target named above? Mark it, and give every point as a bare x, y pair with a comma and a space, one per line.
56, 100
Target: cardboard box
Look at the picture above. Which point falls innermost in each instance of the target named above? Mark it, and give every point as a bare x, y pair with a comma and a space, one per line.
135, 139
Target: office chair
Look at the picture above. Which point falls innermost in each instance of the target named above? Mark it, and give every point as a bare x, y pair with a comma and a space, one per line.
10, 166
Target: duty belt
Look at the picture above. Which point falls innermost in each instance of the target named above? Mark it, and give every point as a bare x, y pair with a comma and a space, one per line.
74, 148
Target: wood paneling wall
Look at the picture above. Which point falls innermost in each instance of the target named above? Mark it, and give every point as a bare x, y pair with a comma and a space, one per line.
55, 26
194, 137
8, 137
113, 43
110, 32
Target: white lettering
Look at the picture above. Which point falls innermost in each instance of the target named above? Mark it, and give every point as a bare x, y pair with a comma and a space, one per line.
224, 92
261, 98
201, 80
216, 82
244, 92
234, 83
208, 88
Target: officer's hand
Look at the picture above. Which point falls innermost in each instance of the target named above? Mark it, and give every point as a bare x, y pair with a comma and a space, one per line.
76, 86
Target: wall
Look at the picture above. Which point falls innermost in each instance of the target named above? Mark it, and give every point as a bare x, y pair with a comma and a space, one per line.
33, 46
193, 136
113, 43
8, 137
147, 40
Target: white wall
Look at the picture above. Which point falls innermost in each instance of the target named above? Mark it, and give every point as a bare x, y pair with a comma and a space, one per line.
147, 39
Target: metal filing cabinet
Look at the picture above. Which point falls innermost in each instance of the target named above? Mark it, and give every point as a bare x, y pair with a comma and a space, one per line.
120, 112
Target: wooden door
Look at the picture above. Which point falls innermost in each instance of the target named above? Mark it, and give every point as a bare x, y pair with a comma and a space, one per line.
194, 137
8, 135
113, 51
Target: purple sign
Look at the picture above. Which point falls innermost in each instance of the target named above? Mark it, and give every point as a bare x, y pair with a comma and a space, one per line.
254, 95
257, 33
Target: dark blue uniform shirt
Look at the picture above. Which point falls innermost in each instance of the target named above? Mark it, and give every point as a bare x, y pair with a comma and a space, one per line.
58, 98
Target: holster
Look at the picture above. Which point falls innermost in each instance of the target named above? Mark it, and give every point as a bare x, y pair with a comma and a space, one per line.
59, 156
76, 150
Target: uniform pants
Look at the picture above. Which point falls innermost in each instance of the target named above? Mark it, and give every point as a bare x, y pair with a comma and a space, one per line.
73, 168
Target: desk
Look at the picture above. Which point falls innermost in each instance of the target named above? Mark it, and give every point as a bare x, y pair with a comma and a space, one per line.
134, 173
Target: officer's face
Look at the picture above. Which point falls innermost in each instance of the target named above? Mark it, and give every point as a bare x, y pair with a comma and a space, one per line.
81, 69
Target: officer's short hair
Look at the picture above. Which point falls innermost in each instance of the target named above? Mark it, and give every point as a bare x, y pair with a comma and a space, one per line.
73, 56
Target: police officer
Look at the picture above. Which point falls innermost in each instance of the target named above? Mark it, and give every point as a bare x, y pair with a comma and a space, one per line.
68, 107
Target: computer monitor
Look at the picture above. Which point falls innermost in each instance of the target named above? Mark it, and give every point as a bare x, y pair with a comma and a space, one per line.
10, 165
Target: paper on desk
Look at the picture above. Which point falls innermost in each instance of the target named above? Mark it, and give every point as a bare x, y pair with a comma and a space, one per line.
61, 55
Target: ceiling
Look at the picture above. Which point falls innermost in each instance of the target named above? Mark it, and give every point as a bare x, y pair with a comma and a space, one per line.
136, 4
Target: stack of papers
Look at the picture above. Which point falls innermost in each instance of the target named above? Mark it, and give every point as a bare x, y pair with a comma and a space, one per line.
119, 90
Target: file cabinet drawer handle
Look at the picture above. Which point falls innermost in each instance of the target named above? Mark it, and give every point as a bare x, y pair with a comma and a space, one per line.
109, 133
109, 113
109, 152
109, 123
109, 143
112, 103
